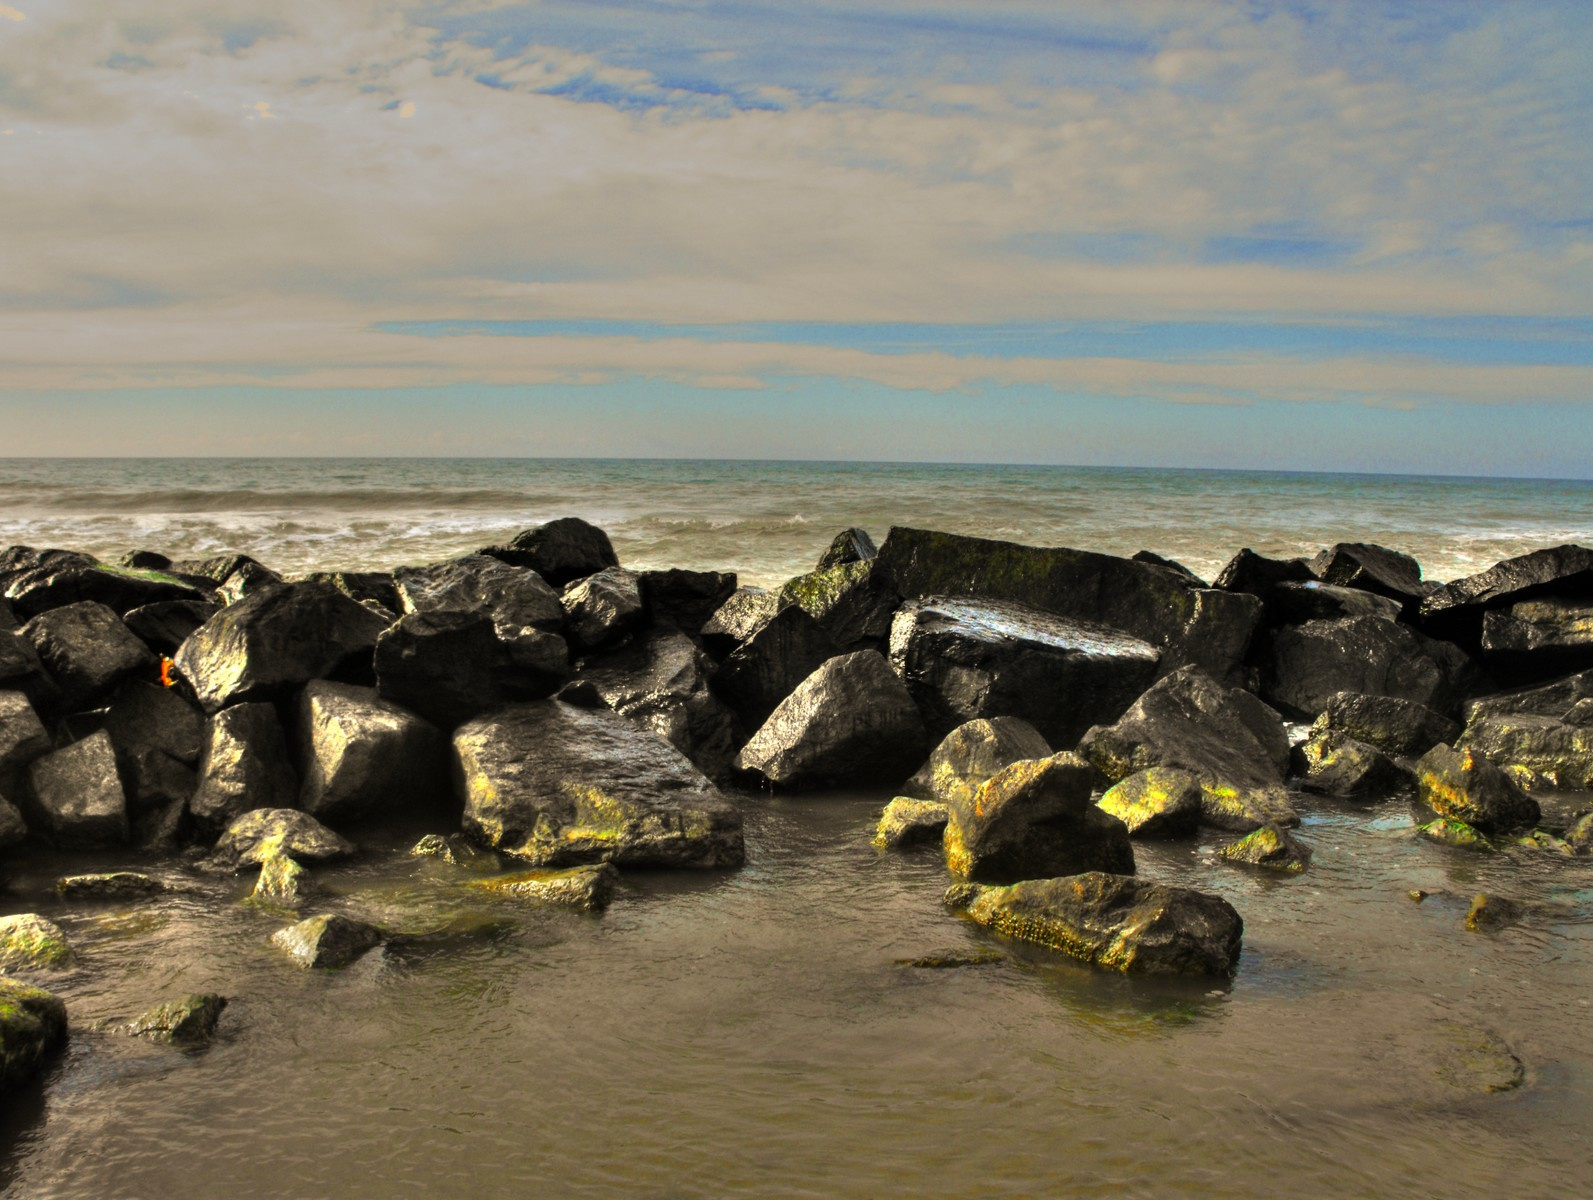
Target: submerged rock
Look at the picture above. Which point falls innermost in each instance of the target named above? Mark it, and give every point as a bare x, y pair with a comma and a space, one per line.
188, 1021
1159, 802
1270, 846
589, 889
1493, 912
971, 754
1465, 786
326, 941
1113, 921
80, 795
256, 836
909, 822
110, 885
32, 942
1447, 831
32, 1031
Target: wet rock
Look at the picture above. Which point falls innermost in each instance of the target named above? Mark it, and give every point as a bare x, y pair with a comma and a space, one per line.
1549, 699
1580, 835
852, 721
589, 889
1334, 762
563, 786
1542, 839
560, 551
1258, 576
848, 602
110, 885
165, 625
1151, 558
1540, 752
22, 735
88, 650
1456, 610
909, 822
1392, 725
1465, 786
1160, 802
19, 661
1033, 820
244, 766
364, 756
849, 546
145, 715
13, 828
1271, 847
248, 579
458, 850
282, 883
326, 941
945, 960
1232, 742
1113, 921
964, 659
513, 597
685, 599
1306, 665
31, 942
738, 618
769, 664
118, 588
1374, 569
79, 794
603, 608
218, 568
1191, 625
32, 1032
451, 666
187, 1021
1538, 639
263, 832
368, 587
1447, 831
274, 641
973, 752
1493, 912
1297, 603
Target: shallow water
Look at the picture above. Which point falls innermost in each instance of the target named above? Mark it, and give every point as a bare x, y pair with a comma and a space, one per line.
752, 1033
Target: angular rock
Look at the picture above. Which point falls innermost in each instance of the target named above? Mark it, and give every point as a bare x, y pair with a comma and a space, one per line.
1151, 558
563, 786
1463, 785
1392, 725
1113, 921
685, 599
1297, 603
147, 716
22, 735
244, 766
32, 1032
247, 579
19, 661
1455, 611
603, 608
513, 597
31, 942
1447, 831
282, 882
110, 885
852, 721
849, 546
88, 651
964, 659
1580, 835
13, 828
1159, 802
1538, 639
909, 822
450, 666
167, 624
1258, 575
1541, 752
187, 1021
79, 794
118, 588
1493, 912
365, 586
24, 562
1374, 569
848, 602
364, 756
326, 941
589, 889
1308, 664
1226, 737
738, 618
560, 551
274, 641
1034, 820
1271, 847
769, 664
1334, 762
217, 569
458, 850
1550, 699
263, 832
972, 753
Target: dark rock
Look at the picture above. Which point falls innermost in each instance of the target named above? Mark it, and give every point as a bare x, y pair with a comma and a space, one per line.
1332, 761
1113, 921
79, 794
145, 560
19, 661
560, 551
1579, 714
1549, 699
22, 735
769, 664
1297, 603
1374, 569
88, 650
1034, 820
1464, 785
166, 625
1449, 832
964, 659
13, 828
1538, 639
19, 561
1455, 611
1392, 725
737, 619
1159, 802
262, 832
120, 589
589, 889
364, 756
944, 960
144, 715
188, 1021
603, 608
244, 766
685, 599
219, 568
274, 641
282, 883
1539, 752
562, 786
31, 942
850, 546
1580, 835
1493, 912
248, 579
849, 602
458, 850
326, 941
852, 721
1259, 576
365, 586
1307, 664
972, 753
1271, 847
1207, 627
110, 885
909, 822
513, 597
1226, 737
1151, 558
32, 1032
450, 666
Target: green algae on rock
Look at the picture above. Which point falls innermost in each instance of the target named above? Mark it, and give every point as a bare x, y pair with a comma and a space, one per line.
32, 1030
326, 941
909, 822
1158, 802
1270, 846
589, 889
1448, 831
188, 1021
31, 941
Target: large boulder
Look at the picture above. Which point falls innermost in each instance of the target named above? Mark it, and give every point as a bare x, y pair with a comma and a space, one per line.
244, 766
964, 659
769, 664
167, 624
1158, 802
364, 756
685, 599
1033, 820
118, 588
32, 1032
1394, 726
13, 826
79, 794
1540, 752
1297, 603
88, 650
1374, 569
562, 786
1538, 639
22, 735
1467, 787
263, 832
850, 722
1259, 576
741, 615
849, 602
368, 587
513, 597
1307, 664
276, 640
448, 666
1456, 610
603, 608
1548, 699
1231, 741
1113, 921
560, 551
158, 736
972, 753
1331, 761
1191, 625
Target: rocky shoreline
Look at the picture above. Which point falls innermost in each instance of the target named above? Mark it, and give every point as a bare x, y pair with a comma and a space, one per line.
558, 719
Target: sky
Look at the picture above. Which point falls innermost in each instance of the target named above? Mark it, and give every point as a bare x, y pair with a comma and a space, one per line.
1337, 236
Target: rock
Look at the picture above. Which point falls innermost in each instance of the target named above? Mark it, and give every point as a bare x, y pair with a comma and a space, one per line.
146, 716
513, 597
1232, 742
1463, 785
1455, 611
79, 794
1306, 665
32, 1032
852, 721
22, 735
1374, 569
367, 587
560, 551
244, 766
1549, 699
1538, 639
1541, 752
13, 828
248, 579
282, 883
1493, 912
848, 602
1392, 725
119, 588
219, 568
326, 941
109, 885
964, 659
1297, 603
460, 851
167, 624
1580, 835
30, 942
685, 599
769, 664
849, 546
1113, 921
1159, 802
1151, 558
1542, 839
1270, 846
273, 641
188, 1021
364, 756
589, 889
909, 822
1034, 820
1449, 832
1334, 762
19, 661
450, 666
603, 608
262, 832
943, 960
88, 651
1191, 625
971, 754
563, 786
737, 619
1258, 575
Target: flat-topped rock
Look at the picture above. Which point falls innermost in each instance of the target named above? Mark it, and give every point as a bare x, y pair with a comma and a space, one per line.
512, 596
1393, 725
588, 889
1456, 610
263, 832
